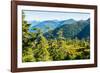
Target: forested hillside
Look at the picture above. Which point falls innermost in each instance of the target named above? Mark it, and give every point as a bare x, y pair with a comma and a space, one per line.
79, 29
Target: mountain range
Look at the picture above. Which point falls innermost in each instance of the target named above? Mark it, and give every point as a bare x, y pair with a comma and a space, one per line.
70, 28
52, 24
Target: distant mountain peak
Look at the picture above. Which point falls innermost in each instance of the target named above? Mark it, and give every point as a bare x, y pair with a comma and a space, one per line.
71, 19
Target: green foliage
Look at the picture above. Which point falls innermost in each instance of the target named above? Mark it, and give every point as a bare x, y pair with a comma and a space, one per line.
28, 55
36, 47
41, 53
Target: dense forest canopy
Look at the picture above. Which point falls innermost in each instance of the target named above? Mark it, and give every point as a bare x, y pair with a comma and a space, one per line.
68, 41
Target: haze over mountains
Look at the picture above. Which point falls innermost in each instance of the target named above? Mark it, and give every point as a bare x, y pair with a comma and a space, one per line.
70, 28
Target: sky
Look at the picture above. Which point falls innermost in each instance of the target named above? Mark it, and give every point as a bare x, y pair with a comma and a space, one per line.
53, 15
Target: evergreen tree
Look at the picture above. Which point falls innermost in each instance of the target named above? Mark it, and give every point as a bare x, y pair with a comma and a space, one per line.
41, 52
27, 52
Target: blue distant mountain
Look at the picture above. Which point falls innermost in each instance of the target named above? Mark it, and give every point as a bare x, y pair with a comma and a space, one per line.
33, 23
52, 24
69, 21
